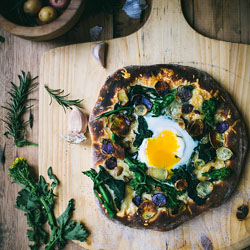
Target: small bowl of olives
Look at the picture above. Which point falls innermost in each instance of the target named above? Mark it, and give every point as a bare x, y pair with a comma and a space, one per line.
39, 20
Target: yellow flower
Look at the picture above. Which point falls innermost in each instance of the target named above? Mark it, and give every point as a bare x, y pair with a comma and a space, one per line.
17, 160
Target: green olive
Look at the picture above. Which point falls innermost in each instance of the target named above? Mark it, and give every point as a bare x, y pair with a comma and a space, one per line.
47, 14
32, 7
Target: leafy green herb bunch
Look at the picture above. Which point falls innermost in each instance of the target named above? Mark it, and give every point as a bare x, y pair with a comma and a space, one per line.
36, 199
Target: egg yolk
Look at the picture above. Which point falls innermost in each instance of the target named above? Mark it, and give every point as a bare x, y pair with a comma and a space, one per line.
162, 151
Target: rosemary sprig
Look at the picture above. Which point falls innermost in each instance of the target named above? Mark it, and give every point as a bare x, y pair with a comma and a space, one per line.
56, 94
17, 106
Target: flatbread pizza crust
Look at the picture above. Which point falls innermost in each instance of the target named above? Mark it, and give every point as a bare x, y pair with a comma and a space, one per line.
236, 140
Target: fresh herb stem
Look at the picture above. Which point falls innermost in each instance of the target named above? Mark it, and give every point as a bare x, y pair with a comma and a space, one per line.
38, 203
106, 195
60, 99
15, 125
218, 174
51, 217
52, 240
129, 162
107, 200
52, 223
101, 179
114, 111
100, 190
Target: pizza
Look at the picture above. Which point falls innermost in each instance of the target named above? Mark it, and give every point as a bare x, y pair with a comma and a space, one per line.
168, 144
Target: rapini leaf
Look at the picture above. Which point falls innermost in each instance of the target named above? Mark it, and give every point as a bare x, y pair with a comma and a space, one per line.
36, 199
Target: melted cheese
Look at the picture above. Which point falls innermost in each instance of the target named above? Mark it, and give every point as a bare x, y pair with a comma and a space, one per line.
124, 173
196, 99
184, 197
205, 168
167, 72
147, 197
151, 81
128, 208
193, 116
130, 137
199, 95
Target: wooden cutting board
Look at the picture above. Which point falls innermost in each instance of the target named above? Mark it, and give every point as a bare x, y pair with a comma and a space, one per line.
165, 38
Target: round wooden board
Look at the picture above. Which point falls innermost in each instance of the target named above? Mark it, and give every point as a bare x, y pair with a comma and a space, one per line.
165, 38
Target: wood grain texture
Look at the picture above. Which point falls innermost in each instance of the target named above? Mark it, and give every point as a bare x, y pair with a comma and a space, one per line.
225, 20
17, 54
165, 38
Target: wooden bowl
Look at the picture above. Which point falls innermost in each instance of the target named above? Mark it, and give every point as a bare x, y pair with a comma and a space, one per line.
47, 31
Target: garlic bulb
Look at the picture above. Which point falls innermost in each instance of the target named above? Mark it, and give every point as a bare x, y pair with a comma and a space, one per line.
77, 124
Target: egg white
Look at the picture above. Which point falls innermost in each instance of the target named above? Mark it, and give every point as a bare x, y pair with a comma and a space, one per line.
184, 140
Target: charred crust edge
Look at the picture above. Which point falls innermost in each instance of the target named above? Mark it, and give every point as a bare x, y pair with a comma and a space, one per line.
224, 189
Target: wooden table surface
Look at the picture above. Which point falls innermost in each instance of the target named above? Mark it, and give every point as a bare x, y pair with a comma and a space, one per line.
219, 19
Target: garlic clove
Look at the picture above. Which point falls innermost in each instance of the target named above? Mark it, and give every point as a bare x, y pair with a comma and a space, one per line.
77, 122
77, 125
99, 53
